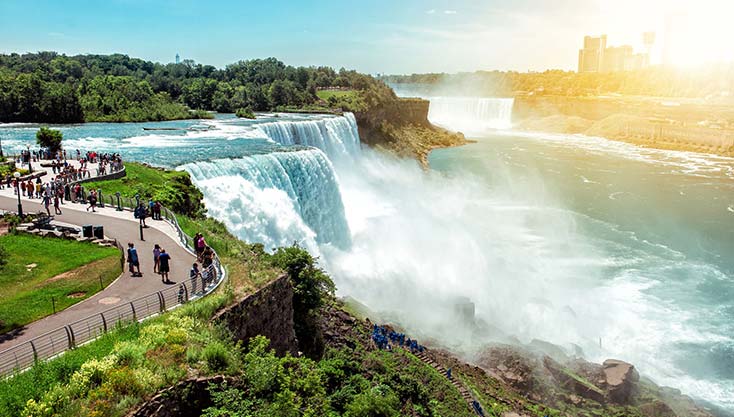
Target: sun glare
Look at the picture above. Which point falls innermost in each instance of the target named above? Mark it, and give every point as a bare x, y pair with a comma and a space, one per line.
699, 34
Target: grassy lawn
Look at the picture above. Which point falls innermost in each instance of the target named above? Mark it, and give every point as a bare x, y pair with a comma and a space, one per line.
68, 271
172, 188
326, 94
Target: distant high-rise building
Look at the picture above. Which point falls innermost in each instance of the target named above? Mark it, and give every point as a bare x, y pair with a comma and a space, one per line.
597, 57
590, 58
178, 59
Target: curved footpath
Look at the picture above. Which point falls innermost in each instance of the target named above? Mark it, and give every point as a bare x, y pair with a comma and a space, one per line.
117, 225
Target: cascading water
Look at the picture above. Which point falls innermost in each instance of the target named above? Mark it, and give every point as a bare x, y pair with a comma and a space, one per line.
276, 198
471, 115
567, 239
336, 136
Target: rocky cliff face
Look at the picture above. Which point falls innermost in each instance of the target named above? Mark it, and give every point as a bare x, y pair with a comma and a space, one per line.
401, 127
268, 312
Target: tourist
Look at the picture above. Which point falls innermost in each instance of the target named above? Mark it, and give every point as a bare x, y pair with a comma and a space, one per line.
47, 203
133, 261
207, 261
92, 200
141, 213
199, 245
157, 210
156, 257
164, 266
57, 209
38, 188
195, 274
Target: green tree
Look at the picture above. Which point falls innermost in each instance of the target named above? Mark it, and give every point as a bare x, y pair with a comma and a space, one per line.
312, 287
49, 138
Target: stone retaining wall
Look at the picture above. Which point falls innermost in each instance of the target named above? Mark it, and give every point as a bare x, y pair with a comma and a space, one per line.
268, 312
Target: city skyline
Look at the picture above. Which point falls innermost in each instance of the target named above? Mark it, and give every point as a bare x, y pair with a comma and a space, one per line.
380, 37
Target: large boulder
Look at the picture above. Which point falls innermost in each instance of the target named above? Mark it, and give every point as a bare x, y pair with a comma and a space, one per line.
620, 380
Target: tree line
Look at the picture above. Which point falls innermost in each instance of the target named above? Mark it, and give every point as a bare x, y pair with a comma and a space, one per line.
55, 88
714, 80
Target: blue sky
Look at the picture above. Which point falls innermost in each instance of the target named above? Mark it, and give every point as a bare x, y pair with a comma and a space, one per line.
370, 36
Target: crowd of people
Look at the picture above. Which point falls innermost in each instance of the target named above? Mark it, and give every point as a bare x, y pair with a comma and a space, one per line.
385, 338
63, 186
200, 277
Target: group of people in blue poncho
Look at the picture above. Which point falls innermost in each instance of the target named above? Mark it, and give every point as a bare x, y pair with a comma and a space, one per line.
384, 338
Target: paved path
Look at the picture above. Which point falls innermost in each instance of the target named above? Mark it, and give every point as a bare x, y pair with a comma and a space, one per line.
123, 227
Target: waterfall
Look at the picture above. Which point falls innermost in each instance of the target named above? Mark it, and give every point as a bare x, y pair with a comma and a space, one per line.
336, 136
471, 114
276, 198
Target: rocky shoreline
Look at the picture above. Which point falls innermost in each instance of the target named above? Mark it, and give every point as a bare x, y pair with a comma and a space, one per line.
402, 128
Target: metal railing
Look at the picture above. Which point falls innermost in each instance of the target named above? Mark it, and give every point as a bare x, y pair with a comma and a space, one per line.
56, 342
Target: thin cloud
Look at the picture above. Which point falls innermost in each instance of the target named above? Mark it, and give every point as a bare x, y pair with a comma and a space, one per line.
432, 11
449, 12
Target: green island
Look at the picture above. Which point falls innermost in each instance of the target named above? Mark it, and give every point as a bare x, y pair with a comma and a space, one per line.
36, 278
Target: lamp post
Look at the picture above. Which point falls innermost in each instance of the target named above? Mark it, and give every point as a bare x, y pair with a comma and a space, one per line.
17, 190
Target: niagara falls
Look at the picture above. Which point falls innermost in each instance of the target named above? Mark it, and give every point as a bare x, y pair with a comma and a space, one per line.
382, 209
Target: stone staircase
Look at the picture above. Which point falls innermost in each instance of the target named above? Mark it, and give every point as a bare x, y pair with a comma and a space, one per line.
465, 394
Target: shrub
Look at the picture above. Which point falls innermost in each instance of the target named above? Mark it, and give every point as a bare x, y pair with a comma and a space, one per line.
245, 112
129, 353
49, 138
380, 401
216, 356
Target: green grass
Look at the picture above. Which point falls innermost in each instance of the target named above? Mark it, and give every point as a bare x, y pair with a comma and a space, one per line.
160, 349
326, 94
172, 188
25, 296
35, 382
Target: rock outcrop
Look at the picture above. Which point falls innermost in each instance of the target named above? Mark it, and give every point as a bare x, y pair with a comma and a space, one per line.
267, 312
401, 127
620, 380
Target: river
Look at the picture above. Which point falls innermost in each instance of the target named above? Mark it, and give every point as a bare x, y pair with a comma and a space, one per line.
601, 247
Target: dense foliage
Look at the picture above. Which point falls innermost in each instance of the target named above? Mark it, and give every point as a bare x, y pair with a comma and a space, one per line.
346, 382
312, 289
49, 138
48, 87
654, 81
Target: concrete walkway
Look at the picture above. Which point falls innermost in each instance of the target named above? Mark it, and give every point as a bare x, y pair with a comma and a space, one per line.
118, 225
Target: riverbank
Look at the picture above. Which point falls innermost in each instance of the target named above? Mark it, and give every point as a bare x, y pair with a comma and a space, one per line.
646, 121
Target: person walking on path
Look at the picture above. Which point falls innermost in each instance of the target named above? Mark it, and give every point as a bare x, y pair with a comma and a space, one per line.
164, 266
57, 209
133, 261
141, 213
199, 245
195, 275
47, 203
156, 257
92, 200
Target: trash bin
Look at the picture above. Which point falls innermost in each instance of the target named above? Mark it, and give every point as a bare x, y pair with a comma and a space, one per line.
99, 232
87, 231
